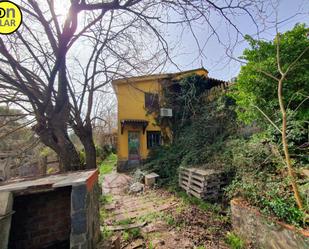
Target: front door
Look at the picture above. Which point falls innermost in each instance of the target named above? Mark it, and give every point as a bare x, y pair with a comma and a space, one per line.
134, 145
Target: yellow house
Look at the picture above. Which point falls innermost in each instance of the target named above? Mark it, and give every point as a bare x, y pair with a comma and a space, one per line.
137, 128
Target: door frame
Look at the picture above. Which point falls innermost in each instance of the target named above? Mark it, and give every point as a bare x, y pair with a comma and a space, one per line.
138, 156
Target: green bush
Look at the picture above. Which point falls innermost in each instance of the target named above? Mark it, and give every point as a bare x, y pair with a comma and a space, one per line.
255, 88
285, 209
261, 179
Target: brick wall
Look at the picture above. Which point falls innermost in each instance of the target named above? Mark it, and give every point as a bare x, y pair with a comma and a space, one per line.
41, 220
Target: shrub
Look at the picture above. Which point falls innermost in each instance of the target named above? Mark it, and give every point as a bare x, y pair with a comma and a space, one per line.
261, 179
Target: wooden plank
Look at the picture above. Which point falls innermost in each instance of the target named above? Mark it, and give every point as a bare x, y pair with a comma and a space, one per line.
191, 187
193, 184
197, 184
125, 227
184, 176
196, 189
199, 177
193, 181
197, 195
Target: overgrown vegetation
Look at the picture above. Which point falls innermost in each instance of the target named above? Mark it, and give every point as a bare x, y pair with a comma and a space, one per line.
231, 130
200, 127
107, 165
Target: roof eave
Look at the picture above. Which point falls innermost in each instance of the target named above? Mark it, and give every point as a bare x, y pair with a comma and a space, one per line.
135, 79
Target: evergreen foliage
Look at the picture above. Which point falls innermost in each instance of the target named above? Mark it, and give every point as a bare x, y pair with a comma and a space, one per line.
255, 88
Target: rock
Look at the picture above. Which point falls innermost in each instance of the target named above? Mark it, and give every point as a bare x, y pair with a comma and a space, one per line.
136, 187
138, 175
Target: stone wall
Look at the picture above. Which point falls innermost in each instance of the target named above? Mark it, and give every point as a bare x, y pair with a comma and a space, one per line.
85, 231
264, 233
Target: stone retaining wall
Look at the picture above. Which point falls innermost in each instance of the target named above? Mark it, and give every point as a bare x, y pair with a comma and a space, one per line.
264, 233
85, 227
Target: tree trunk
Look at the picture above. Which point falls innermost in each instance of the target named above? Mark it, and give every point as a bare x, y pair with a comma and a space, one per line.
59, 141
84, 133
286, 148
90, 151
69, 158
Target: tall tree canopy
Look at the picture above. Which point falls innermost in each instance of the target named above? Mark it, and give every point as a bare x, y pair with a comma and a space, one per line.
256, 90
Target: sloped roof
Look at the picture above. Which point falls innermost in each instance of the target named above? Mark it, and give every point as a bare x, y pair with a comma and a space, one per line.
155, 76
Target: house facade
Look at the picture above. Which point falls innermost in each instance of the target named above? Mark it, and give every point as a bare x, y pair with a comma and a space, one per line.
137, 128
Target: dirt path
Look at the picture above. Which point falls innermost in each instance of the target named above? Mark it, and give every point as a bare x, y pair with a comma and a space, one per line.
156, 219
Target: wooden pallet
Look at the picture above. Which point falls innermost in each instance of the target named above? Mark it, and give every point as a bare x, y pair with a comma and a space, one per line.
203, 184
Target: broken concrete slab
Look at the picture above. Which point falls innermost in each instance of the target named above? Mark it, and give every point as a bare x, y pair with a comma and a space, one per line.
150, 179
6, 205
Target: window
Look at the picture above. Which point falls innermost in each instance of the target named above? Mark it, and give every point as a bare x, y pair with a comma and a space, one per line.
152, 101
153, 139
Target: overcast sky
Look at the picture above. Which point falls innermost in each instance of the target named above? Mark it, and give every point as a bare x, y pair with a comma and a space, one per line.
216, 61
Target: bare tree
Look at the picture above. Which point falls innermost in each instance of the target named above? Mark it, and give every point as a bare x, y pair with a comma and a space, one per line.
281, 79
40, 65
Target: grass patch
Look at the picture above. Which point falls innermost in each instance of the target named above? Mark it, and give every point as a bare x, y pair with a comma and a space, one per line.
106, 199
151, 217
107, 166
124, 222
191, 200
150, 245
131, 234
106, 234
103, 215
234, 241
